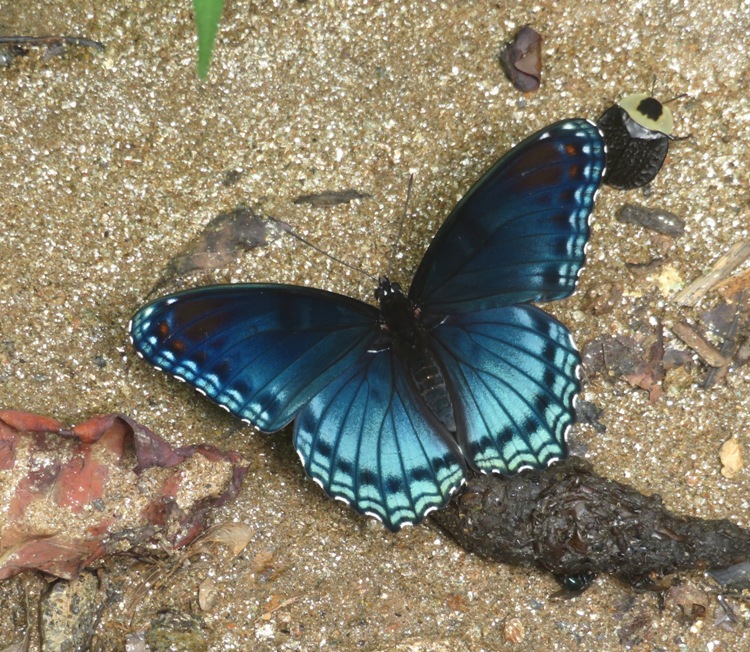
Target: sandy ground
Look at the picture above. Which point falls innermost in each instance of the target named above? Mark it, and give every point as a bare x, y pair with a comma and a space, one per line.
112, 162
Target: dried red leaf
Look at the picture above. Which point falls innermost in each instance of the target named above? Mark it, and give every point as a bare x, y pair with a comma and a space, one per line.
75, 495
28, 422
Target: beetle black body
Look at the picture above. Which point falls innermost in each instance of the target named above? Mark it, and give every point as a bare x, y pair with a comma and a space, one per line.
637, 132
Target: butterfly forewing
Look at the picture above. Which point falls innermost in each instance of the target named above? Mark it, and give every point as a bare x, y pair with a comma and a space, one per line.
519, 234
265, 352
261, 351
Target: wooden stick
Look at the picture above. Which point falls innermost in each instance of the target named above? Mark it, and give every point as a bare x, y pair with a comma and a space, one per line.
690, 295
710, 354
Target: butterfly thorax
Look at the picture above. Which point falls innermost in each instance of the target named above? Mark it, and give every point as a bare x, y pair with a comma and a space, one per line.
401, 320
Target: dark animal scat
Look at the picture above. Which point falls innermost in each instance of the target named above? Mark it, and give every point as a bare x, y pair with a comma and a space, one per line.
570, 521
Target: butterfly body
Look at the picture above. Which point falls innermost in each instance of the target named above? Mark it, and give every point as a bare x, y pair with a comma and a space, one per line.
393, 406
401, 320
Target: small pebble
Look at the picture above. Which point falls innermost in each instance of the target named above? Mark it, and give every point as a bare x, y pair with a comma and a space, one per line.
731, 458
514, 631
522, 60
655, 219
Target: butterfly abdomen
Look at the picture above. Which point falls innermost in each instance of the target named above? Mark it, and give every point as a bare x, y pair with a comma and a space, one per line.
430, 383
411, 346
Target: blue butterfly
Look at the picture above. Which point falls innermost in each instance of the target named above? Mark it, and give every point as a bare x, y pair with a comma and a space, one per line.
393, 407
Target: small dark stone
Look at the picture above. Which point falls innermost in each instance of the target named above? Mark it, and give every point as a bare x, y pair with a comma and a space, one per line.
522, 60
735, 577
655, 219
231, 177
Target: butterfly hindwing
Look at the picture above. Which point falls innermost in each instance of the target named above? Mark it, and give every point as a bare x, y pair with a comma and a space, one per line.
519, 234
368, 439
260, 351
514, 373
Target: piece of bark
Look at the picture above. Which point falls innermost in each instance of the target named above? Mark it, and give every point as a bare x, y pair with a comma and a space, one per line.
330, 198
696, 341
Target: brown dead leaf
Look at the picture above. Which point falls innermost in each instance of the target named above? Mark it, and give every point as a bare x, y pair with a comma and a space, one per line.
234, 536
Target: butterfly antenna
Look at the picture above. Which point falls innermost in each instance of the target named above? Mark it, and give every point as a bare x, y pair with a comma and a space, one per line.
397, 242
288, 229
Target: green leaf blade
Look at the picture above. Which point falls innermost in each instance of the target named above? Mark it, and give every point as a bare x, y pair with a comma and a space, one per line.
207, 16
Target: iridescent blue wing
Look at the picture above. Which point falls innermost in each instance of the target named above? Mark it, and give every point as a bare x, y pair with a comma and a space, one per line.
260, 351
513, 372
268, 353
369, 440
519, 234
